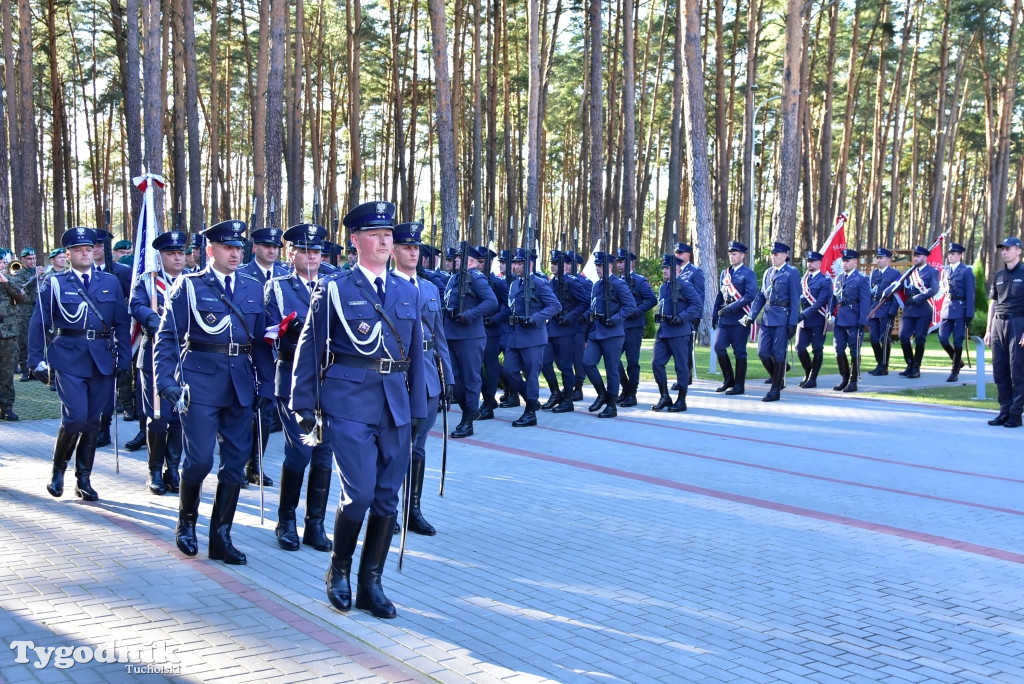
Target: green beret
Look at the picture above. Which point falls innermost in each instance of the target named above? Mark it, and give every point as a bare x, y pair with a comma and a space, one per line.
126, 259
28, 251
55, 252
123, 244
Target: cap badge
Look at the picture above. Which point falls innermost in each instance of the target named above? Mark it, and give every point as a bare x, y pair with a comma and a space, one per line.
382, 208
237, 225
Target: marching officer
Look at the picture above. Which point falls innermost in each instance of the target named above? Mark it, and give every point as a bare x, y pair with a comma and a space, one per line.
582, 327
287, 301
645, 300
495, 325
608, 335
562, 330
163, 437
531, 305
1005, 333
679, 305
737, 287
266, 248
880, 322
815, 293
695, 276
957, 308
852, 296
86, 312
464, 330
437, 367
919, 287
11, 298
211, 361
779, 297
27, 280
359, 364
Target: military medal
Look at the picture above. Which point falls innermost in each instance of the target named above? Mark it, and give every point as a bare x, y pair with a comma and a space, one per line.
211, 319
363, 328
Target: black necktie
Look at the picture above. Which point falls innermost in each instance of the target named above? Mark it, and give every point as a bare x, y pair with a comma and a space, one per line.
227, 286
268, 274
380, 289
310, 283
85, 279
413, 281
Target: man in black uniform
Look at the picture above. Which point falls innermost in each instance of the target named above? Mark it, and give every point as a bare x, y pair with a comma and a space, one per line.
1006, 334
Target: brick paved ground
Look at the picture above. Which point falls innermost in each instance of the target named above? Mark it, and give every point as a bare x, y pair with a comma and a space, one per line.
820, 538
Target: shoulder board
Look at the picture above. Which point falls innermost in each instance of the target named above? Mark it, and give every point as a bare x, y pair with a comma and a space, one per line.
247, 276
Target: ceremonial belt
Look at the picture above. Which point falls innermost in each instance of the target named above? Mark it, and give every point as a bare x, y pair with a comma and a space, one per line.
382, 366
917, 281
230, 349
1007, 316
87, 334
427, 344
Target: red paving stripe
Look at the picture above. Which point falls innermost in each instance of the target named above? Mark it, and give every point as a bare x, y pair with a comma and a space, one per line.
340, 645
902, 533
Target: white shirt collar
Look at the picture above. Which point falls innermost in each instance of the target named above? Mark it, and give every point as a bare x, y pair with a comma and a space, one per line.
81, 274
371, 276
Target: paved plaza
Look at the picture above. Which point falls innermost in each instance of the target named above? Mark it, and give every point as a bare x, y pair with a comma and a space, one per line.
819, 538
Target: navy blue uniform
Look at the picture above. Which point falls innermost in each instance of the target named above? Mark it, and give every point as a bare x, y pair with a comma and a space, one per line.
563, 330
495, 326
435, 352
779, 297
142, 311
958, 306
253, 268
467, 337
815, 293
607, 336
1006, 330
880, 322
918, 288
579, 344
528, 336
737, 288
852, 303
633, 327
695, 276
123, 275
676, 313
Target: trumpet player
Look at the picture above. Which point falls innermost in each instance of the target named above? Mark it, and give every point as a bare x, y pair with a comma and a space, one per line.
26, 278
10, 299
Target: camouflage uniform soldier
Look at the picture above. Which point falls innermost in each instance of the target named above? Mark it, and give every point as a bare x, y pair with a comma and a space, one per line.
10, 296
24, 281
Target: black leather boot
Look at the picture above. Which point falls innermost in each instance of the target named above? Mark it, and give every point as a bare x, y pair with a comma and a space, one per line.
769, 365
609, 407
369, 592
252, 468
844, 372
486, 411
812, 379
465, 426
224, 503
628, 396
908, 356
577, 391
679, 405
565, 405
957, 365
291, 488
805, 361
529, 417
157, 445
63, 448
346, 534
739, 384
778, 382
665, 400
85, 454
851, 384
188, 514
918, 358
511, 399
139, 440
728, 380
602, 399
173, 458
554, 400
7, 413
417, 523
318, 490
880, 366
103, 436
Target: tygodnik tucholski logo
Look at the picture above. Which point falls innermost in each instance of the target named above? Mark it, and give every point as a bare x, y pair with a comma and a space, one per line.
155, 658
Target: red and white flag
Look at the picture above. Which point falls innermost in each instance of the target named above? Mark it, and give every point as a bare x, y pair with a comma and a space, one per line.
935, 261
832, 251
147, 259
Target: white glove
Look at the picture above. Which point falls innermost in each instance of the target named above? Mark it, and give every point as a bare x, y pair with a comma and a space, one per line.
746, 320
42, 367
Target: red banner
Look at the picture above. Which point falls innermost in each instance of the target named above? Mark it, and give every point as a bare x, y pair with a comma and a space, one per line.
832, 251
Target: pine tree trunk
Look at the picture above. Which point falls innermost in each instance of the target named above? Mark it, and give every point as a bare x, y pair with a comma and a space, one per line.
275, 113
789, 143
445, 126
153, 70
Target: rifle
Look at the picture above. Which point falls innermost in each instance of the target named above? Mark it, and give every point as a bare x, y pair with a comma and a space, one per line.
606, 285
629, 258
334, 236
433, 250
575, 249
673, 286
488, 259
463, 277
894, 288
247, 250
201, 246
528, 268
508, 259
316, 206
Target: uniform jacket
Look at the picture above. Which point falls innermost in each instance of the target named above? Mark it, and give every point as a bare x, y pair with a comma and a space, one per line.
917, 303
1007, 291
584, 322
745, 282
543, 307
198, 312
346, 320
643, 296
959, 301
695, 277
283, 295
496, 323
852, 299
619, 307
880, 282
574, 300
11, 299
779, 297
433, 336
141, 308
479, 302
686, 304
256, 271
61, 306
819, 286
123, 274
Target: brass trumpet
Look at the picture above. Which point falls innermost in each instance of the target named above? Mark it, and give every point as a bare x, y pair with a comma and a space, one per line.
15, 266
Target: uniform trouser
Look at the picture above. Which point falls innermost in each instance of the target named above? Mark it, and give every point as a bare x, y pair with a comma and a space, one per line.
467, 359
916, 327
265, 418
561, 351
814, 337
630, 373
579, 344
492, 367
419, 437
878, 329
8, 360
1008, 363
772, 343
83, 399
610, 349
297, 456
204, 429
23, 322
955, 327
522, 370
373, 460
676, 348
734, 336
847, 337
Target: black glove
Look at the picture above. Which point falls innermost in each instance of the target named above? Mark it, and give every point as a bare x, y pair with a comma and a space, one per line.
724, 311
172, 393
790, 331
260, 403
461, 319
675, 321
42, 376
528, 322
607, 321
634, 315
152, 324
488, 321
307, 420
449, 393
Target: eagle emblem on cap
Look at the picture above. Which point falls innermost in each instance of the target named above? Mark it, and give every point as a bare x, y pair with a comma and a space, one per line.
237, 225
81, 231
382, 207
311, 232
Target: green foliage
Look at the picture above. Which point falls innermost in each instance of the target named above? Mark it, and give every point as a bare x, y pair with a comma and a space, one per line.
980, 322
